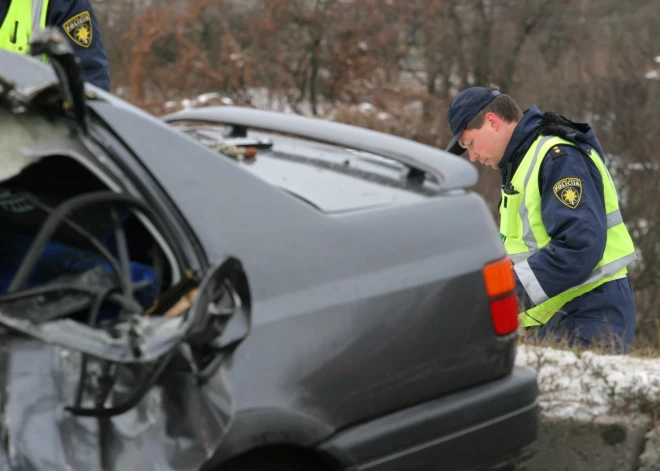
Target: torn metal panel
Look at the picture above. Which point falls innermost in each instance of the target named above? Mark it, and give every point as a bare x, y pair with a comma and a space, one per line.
156, 336
175, 427
161, 336
27, 75
21, 132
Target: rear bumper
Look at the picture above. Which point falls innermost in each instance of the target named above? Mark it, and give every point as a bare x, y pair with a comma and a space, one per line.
477, 428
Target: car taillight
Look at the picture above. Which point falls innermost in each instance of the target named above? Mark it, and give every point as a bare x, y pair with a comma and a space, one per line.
500, 286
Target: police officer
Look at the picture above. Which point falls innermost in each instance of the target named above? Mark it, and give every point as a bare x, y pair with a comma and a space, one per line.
560, 218
19, 18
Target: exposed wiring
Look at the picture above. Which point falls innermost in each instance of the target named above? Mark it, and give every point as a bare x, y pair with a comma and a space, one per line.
93, 318
116, 298
53, 221
81, 231
132, 399
121, 295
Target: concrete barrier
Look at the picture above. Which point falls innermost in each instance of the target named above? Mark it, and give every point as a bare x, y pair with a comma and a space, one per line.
650, 459
598, 412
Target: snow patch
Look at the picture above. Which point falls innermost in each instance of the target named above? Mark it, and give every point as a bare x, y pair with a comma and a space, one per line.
366, 107
588, 385
205, 97
643, 166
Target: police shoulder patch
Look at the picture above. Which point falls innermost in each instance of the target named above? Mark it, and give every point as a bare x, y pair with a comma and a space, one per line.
568, 191
79, 29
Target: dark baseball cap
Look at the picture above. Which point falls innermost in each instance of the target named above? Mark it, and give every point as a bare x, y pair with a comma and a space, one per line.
467, 104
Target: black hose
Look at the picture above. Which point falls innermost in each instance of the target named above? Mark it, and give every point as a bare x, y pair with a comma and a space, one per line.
56, 216
53, 220
83, 232
107, 380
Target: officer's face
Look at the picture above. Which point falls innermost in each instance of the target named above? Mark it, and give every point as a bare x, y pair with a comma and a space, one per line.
485, 144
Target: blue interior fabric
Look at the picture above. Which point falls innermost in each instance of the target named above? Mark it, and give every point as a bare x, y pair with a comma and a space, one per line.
59, 259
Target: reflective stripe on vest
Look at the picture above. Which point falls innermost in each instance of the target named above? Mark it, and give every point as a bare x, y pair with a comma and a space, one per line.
23, 17
524, 234
613, 219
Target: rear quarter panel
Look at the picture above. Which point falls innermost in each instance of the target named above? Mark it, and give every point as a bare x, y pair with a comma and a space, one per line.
408, 322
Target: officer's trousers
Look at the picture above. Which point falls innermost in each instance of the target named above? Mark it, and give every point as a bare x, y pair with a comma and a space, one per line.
604, 318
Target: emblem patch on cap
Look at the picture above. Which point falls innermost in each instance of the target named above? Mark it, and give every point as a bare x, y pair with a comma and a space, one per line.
569, 191
79, 29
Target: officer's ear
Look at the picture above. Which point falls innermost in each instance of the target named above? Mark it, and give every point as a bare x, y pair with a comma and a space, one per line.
492, 120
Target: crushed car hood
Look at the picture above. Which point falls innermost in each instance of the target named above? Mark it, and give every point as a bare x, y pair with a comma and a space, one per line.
175, 427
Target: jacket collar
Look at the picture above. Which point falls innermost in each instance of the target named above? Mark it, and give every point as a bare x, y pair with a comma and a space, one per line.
523, 136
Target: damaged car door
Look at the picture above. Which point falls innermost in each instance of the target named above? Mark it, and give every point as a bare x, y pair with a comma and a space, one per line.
112, 324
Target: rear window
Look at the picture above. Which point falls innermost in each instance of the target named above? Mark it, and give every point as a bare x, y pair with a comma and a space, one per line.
330, 178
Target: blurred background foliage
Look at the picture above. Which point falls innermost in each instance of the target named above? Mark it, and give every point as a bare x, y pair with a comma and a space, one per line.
395, 65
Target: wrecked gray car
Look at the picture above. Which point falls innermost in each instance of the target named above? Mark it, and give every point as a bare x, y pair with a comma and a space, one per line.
233, 289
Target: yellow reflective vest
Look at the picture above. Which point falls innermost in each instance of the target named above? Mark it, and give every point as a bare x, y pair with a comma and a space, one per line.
521, 226
23, 17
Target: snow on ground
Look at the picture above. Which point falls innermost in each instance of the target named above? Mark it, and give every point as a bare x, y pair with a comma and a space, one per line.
588, 385
209, 98
654, 74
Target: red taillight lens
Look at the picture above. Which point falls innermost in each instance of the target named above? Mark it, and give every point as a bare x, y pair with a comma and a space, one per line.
505, 315
500, 284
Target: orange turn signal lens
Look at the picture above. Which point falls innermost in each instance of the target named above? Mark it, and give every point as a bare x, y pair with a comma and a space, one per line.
499, 277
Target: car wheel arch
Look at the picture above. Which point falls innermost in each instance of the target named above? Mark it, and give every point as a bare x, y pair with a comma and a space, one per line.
256, 430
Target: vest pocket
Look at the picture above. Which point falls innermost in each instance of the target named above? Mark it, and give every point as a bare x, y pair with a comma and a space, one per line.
510, 223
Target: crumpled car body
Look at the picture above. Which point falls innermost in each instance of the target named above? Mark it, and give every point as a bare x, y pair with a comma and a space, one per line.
181, 293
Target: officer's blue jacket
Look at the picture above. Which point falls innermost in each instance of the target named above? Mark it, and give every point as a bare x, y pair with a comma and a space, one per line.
578, 234
93, 59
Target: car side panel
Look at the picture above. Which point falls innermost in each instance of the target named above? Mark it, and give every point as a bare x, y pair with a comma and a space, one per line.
366, 357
